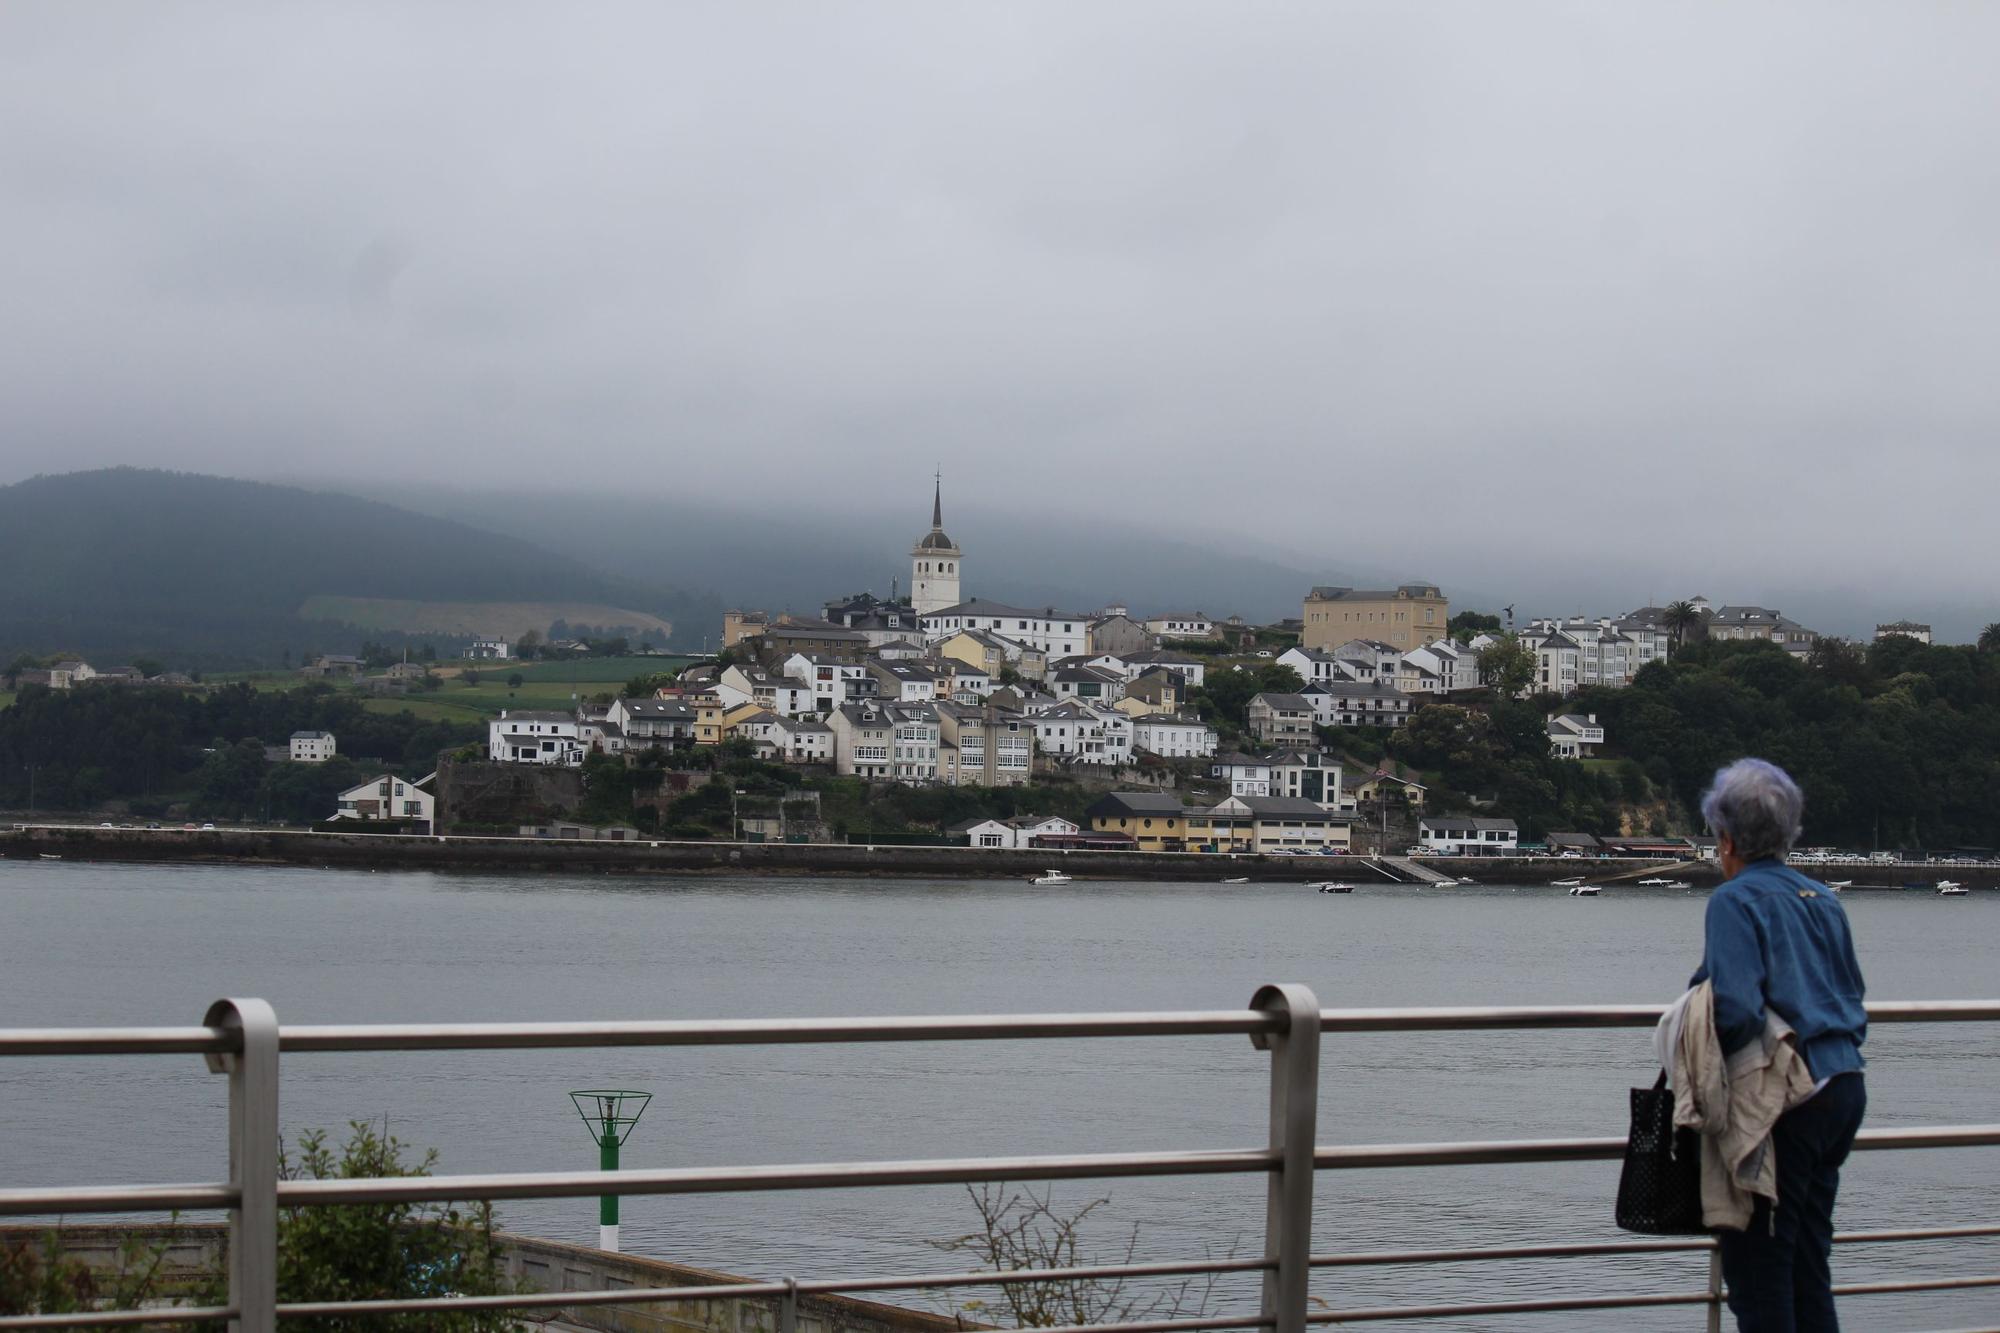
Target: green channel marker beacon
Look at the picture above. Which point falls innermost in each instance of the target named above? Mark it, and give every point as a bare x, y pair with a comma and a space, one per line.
611, 1113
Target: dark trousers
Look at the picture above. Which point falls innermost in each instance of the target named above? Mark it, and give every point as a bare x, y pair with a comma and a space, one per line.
1780, 1280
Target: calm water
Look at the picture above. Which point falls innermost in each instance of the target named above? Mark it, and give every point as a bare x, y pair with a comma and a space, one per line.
84, 944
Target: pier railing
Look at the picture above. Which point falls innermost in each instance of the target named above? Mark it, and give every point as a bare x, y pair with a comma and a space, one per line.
242, 1039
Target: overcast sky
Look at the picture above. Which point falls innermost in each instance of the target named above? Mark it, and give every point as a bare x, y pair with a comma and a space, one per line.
1709, 293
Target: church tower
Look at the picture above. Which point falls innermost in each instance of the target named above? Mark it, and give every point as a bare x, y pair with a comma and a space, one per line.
934, 563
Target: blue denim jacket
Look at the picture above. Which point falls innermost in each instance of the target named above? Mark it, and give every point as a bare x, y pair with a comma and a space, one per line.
1774, 937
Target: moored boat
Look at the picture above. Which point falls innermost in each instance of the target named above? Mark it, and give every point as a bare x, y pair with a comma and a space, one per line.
1334, 886
1586, 890
1051, 877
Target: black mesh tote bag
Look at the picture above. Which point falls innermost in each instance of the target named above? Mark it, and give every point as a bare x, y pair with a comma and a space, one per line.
1659, 1189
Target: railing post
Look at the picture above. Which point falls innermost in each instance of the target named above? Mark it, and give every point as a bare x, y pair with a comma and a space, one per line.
253, 1160
1288, 1202
1714, 1288
788, 1307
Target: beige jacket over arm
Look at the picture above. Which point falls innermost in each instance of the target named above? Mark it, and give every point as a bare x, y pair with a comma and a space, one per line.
1733, 1103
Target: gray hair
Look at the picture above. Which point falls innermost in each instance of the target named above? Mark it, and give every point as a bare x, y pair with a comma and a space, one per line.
1757, 805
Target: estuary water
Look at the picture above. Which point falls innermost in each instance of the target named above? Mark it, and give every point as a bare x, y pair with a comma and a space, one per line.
105, 944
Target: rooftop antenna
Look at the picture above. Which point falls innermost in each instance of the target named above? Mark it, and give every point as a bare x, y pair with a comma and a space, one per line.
611, 1114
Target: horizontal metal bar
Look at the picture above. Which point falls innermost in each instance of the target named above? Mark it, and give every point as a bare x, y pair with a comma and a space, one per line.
1475, 1308
1368, 1156
117, 1041
931, 1027
1916, 1284
1918, 1233
197, 1314
1013, 1276
1461, 1018
117, 1199
1369, 1258
724, 1180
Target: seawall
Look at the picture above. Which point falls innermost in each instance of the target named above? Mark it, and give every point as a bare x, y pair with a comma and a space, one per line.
667, 857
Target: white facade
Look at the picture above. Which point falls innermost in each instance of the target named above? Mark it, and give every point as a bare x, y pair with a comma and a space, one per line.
1086, 735
534, 738
1246, 774
386, 797
1574, 735
312, 747
783, 695
1173, 737
1181, 625
1355, 704
1468, 837
1059, 634
863, 740
832, 682
789, 740
915, 741
490, 650
1908, 629
1454, 667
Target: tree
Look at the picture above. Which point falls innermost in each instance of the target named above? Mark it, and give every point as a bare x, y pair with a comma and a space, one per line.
1466, 625
387, 1251
530, 645
1020, 1229
514, 680
1508, 666
1682, 618
469, 676
1989, 638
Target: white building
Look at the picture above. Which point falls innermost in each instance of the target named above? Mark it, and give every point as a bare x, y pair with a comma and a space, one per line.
1246, 774
528, 737
1135, 664
936, 564
833, 682
1355, 704
1086, 684
1019, 832
915, 760
490, 650
1058, 634
1173, 736
1574, 735
1309, 775
741, 684
1086, 735
387, 797
1908, 629
312, 747
788, 740
644, 723
1180, 625
904, 682
1455, 835
1454, 667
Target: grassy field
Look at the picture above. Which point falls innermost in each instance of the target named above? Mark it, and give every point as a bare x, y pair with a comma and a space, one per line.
587, 670
546, 685
5, 698
509, 620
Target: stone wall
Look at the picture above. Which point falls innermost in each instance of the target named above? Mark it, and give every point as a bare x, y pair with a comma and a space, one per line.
548, 1265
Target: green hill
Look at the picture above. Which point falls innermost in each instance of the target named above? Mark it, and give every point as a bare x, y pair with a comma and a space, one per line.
203, 571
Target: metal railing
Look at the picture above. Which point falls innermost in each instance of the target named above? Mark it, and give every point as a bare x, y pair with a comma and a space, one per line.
241, 1038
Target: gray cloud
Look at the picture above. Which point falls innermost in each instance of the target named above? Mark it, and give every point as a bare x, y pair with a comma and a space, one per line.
1568, 300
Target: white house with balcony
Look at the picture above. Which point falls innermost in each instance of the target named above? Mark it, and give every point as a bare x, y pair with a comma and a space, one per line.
534, 737
1246, 774
387, 797
1575, 735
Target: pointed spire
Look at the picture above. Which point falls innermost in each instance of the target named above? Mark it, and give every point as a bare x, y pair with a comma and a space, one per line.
937, 503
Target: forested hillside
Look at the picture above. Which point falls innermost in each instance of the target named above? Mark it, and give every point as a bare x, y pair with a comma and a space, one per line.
200, 571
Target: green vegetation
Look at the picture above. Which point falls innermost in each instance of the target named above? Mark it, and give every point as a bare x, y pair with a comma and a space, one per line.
151, 747
395, 1251
595, 670
1467, 625
1898, 743
1223, 697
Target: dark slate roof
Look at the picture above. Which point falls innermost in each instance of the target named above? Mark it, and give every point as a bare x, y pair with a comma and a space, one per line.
1128, 803
1297, 703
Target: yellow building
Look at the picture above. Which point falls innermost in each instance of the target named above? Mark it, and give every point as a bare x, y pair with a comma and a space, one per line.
1405, 617
1154, 821
709, 710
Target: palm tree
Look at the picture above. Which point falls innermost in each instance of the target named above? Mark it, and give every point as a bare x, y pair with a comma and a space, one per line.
1680, 617
1989, 638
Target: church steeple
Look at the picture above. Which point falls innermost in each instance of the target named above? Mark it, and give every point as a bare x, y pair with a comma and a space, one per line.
934, 561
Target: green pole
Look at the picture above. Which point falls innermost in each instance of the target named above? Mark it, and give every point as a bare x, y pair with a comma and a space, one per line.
607, 1157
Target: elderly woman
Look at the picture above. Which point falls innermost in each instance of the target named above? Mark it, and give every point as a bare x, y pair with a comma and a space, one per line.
1776, 940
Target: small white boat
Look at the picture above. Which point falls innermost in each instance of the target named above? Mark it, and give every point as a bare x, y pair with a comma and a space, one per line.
1568, 883
1239, 879
1586, 890
1334, 886
1656, 883
1838, 884
1951, 888
51, 856
1051, 877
